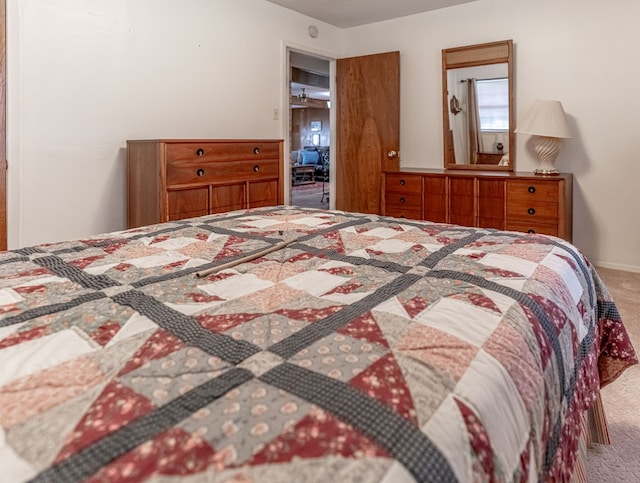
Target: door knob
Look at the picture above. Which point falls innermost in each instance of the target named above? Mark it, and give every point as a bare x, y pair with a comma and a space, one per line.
392, 154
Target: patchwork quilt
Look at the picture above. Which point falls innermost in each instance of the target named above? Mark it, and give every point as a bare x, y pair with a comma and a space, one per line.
368, 349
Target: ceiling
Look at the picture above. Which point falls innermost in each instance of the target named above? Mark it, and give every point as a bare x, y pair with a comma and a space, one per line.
343, 14
351, 13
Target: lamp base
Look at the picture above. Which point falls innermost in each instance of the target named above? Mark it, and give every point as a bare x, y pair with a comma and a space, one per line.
546, 149
546, 172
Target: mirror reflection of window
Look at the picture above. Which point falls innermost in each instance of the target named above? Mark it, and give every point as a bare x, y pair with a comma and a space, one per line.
493, 104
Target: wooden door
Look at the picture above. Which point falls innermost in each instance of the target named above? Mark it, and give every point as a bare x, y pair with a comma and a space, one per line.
367, 128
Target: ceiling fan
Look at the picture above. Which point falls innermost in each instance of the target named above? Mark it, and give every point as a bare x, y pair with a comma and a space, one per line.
305, 100
303, 96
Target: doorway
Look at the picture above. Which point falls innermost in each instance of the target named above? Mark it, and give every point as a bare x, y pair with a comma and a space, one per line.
309, 130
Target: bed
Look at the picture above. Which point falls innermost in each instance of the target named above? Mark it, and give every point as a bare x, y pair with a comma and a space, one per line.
289, 344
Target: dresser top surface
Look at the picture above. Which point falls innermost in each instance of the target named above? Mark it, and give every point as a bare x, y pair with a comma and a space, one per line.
167, 140
479, 173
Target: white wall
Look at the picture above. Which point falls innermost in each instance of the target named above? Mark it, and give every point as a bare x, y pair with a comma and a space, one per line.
581, 52
85, 75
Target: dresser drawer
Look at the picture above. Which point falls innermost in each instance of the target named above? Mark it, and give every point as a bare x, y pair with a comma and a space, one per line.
206, 151
408, 212
540, 228
403, 205
531, 190
202, 171
403, 183
532, 211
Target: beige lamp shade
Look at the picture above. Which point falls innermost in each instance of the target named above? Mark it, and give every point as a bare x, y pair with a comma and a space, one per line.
546, 120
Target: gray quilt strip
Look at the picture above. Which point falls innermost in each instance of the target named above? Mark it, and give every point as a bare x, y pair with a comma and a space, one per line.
28, 251
36, 312
187, 328
608, 310
403, 440
88, 461
14, 260
63, 269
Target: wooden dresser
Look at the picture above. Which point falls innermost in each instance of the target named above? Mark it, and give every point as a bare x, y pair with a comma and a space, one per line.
169, 179
507, 201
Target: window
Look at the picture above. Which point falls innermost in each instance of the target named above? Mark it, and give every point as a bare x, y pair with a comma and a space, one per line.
493, 104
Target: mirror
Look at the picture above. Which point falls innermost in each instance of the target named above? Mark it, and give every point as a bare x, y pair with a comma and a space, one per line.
477, 106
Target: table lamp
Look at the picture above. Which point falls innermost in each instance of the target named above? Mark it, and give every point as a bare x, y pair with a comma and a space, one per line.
546, 120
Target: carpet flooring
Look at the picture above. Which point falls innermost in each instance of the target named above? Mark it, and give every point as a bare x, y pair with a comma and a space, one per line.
620, 461
310, 196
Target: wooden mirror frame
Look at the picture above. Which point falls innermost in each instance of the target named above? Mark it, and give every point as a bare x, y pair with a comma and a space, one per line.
471, 56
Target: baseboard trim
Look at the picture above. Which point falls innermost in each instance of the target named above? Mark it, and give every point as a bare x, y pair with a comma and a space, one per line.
618, 266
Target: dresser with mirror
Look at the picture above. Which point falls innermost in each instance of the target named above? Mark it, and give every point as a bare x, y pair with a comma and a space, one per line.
478, 185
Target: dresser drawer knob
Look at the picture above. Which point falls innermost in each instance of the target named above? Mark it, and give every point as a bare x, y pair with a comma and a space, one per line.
256, 150
532, 189
200, 172
531, 230
531, 211
256, 168
200, 152
402, 182
402, 200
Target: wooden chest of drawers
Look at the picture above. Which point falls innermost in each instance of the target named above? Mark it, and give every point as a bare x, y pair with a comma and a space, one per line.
506, 201
176, 179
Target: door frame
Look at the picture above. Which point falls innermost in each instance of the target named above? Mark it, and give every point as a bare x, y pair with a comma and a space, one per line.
286, 120
3, 125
